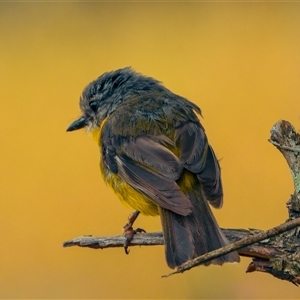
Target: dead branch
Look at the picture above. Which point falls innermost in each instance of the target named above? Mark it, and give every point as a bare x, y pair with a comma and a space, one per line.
275, 251
248, 241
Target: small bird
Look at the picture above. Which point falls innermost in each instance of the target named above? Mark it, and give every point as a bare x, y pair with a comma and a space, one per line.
156, 157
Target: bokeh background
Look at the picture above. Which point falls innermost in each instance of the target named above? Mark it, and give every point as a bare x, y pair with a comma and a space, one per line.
240, 62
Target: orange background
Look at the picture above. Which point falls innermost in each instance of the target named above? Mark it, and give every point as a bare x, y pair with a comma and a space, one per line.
240, 62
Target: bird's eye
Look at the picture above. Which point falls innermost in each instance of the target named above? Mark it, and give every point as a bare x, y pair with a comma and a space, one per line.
93, 105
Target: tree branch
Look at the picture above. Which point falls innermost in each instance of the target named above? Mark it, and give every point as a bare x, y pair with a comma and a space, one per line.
258, 250
238, 245
275, 251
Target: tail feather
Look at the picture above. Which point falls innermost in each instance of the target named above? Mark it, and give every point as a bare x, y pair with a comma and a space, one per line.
187, 237
179, 246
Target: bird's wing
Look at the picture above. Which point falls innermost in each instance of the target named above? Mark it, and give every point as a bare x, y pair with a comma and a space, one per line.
151, 168
198, 157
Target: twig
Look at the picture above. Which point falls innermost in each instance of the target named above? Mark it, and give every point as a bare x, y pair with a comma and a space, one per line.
238, 245
102, 242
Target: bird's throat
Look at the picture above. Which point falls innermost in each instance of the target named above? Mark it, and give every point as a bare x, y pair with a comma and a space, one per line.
96, 132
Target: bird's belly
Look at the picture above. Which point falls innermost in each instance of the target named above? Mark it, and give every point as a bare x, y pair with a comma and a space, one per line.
129, 196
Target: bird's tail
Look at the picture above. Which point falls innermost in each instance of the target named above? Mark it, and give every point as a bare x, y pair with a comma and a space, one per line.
187, 237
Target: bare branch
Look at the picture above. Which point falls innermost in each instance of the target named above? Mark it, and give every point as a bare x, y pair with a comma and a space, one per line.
258, 250
287, 141
102, 242
238, 245
275, 251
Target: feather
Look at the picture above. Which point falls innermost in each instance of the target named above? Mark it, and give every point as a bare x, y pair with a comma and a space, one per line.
199, 158
193, 235
154, 156
164, 192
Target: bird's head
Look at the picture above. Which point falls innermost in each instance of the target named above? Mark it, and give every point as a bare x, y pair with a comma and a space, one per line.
102, 96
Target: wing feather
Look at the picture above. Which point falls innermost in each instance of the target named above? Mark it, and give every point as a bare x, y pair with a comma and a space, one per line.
164, 192
198, 157
147, 165
152, 155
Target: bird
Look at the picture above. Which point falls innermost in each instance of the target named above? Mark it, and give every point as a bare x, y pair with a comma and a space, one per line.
155, 155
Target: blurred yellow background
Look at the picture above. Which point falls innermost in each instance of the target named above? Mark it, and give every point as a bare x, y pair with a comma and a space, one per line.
240, 62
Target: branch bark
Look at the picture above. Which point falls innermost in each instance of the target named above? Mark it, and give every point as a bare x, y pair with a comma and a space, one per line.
275, 251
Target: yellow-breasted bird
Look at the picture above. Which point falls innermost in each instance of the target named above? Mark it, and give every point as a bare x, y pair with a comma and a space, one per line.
156, 157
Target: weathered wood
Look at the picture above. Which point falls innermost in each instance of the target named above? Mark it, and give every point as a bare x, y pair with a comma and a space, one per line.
102, 242
258, 250
264, 236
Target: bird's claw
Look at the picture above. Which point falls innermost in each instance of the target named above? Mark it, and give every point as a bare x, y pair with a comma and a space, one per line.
129, 232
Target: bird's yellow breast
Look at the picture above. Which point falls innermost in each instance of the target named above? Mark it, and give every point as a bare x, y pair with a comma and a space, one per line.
128, 195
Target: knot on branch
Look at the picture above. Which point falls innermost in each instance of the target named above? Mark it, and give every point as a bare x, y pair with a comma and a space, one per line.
288, 265
293, 206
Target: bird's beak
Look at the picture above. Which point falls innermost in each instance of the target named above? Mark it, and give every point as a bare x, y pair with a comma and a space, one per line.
77, 124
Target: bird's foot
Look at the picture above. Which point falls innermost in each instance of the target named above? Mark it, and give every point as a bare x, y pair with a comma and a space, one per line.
128, 230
